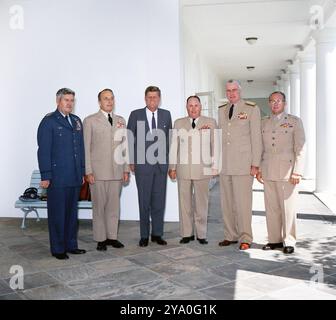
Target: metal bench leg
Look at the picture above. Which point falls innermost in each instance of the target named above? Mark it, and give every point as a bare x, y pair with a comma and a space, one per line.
37, 215
26, 211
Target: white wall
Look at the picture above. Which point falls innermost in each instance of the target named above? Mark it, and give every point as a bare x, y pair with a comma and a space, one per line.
85, 45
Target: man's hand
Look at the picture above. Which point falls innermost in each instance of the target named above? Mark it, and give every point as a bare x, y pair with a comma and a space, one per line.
126, 177
254, 171
259, 177
90, 178
295, 178
132, 167
172, 174
45, 184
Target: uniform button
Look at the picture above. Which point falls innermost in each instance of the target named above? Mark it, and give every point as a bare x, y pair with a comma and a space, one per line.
273, 144
228, 143
229, 134
273, 138
229, 123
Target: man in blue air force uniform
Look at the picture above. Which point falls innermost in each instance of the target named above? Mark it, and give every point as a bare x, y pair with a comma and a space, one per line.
61, 163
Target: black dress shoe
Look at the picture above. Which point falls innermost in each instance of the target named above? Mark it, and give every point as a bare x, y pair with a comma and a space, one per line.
226, 243
114, 243
185, 240
202, 241
77, 251
159, 240
101, 246
143, 242
273, 246
60, 256
288, 249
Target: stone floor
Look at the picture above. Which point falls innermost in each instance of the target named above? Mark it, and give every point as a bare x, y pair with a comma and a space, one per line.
177, 271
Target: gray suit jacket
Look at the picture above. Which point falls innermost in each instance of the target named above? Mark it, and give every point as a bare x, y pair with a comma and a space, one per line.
139, 145
103, 154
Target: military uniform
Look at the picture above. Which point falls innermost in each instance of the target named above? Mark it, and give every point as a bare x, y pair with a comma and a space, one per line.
104, 159
283, 154
241, 149
61, 160
188, 149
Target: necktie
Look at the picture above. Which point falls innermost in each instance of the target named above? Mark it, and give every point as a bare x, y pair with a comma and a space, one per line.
231, 111
193, 124
153, 122
67, 118
110, 119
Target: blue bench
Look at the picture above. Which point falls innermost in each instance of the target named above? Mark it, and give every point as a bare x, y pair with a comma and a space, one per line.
33, 206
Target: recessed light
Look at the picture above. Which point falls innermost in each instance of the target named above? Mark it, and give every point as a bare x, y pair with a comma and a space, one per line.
250, 68
249, 81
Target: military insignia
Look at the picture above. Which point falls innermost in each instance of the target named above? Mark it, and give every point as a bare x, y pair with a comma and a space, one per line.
286, 125
242, 116
78, 125
224, 105
250, 103
120, 124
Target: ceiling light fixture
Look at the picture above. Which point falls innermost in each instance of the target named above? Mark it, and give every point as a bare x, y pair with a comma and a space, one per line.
250, 68
251, 40
249, 81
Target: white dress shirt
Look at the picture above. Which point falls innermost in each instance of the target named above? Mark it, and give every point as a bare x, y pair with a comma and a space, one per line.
149, 118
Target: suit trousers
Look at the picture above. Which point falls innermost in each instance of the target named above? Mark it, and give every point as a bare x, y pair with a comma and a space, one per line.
280, 198
193, 206
236, 202
105, 209
63, 218
152, 199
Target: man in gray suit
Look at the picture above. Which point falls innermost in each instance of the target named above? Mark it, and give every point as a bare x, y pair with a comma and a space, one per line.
106, 169
191, 161
149, 147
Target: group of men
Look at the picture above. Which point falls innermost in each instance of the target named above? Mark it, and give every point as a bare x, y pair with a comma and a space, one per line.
104, 150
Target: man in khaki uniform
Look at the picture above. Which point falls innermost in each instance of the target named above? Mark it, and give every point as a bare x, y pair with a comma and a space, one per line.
191, 160
105, 169
241, 155
281, 170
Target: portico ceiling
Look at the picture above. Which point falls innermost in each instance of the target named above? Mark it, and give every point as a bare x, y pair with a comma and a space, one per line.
219, 28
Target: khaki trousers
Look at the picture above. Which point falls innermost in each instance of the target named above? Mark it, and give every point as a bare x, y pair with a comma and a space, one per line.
280, 198
105, 209
236, 202
197, 190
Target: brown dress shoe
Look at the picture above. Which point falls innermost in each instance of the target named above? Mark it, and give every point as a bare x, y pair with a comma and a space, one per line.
244, 246
226, 243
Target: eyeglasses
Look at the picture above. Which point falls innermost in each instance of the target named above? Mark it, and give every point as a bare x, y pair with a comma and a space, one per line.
276, 101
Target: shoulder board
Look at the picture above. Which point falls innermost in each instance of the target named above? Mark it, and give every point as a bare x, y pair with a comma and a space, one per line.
250, 103
293, 117
266, 118
49, 114
224, 105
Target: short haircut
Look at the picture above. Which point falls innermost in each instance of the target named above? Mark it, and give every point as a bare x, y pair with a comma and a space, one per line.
61, 92
107, 89
277, 92
196, 97
235, 81
153, 89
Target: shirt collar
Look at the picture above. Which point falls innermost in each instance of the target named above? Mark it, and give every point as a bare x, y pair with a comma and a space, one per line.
106, 113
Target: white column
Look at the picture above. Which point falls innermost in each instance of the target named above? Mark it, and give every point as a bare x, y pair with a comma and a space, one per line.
326, 110
287, 90
308, 109
294, 79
